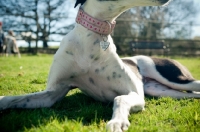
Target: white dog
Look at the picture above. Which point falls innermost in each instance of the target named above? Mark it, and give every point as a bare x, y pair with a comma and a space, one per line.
87, 59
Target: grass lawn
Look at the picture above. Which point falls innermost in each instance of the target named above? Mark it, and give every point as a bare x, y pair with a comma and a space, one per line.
79, 113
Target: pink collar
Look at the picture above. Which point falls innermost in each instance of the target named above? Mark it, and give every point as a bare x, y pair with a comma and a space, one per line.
95, 25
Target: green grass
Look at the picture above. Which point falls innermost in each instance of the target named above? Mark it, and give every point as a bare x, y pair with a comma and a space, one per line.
79, 113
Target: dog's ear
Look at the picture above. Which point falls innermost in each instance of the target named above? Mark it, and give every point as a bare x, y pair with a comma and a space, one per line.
79, 2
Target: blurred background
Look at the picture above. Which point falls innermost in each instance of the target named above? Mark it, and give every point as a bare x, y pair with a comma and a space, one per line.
39, 26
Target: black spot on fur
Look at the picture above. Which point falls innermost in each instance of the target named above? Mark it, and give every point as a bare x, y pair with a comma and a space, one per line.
173, 71
24, 105
62, 84
102, 69
91, 56
48, 93
88, 34
73, 75
91, 81
114, 74
108, 78
27, 100
96, 58
97, 71
96, 42
70, 53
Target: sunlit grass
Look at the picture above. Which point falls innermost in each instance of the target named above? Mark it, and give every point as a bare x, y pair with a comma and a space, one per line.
79, 113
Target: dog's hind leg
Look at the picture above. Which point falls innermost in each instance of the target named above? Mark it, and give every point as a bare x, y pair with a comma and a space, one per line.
45, 98
166, 71
122, 106
156, 89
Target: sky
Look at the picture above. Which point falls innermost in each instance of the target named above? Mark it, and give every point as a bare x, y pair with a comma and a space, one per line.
197, 3
196, 29
72, 14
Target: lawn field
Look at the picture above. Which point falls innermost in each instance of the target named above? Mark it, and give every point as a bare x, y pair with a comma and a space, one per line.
79, 113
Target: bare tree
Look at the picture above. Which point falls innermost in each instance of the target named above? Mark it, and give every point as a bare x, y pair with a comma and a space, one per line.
54, 12
35, 19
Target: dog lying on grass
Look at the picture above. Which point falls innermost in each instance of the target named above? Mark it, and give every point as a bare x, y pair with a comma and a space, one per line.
87, 59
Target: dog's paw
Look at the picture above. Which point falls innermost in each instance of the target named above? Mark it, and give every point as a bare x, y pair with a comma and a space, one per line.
115, 125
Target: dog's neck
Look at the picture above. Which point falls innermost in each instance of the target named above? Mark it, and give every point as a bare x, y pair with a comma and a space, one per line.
97, 37
104, 12
93, 24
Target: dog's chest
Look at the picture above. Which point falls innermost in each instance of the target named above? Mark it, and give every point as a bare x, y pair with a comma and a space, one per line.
105, 81
100, 86
97, 72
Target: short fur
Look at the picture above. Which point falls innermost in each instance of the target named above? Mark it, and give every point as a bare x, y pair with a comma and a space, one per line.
102, 74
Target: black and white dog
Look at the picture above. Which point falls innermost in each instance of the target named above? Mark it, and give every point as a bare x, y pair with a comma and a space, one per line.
87, 59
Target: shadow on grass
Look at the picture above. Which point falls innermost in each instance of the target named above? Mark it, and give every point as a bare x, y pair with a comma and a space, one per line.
76, 107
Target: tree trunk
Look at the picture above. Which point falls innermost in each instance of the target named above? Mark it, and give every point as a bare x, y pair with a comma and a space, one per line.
45, 43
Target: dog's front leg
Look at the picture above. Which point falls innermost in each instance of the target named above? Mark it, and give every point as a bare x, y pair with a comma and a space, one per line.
44, 98
123, 105
58, 86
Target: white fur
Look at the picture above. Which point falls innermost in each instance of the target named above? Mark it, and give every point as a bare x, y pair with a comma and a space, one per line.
80, 62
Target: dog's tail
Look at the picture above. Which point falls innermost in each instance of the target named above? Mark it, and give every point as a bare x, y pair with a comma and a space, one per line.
194, 85
154, 88
191, 86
